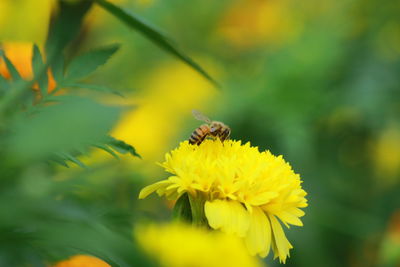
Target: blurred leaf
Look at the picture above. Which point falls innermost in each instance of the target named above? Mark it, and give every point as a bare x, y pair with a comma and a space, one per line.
4, 85
57, 68
65, 26
182, 210
121, 146
70, 125
11, 68
38, 65
60, 161
94, 87
134, 22
107, 149
83, 65
73, 159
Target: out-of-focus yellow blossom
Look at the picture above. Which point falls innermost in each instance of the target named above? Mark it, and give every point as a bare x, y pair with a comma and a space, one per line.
245, 191
20, 54
251, 23
173, 91
179, 245
25, 20
386, 153
82, 261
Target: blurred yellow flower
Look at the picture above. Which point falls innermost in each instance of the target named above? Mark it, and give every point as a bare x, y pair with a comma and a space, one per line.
82, 261
20, 54
179, 245
173, 91
250, 23
386, 153
25, 20
245, 191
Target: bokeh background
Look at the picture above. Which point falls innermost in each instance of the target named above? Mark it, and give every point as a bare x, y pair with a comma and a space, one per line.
317, 81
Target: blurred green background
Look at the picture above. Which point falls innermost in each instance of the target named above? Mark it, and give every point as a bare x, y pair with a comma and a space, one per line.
315, 81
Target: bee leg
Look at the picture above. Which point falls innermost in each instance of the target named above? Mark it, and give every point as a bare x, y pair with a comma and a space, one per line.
225, 134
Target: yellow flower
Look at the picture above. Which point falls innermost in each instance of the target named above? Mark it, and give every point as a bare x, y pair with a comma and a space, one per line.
180, 245
385, 153
245, 191
25, 20
82, 261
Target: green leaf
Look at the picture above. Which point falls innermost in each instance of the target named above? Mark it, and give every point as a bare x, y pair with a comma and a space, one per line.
121, 146
38, 66
71, 125
107, 149
182, 210
134, 22
11, 68
60, 161
57, 68
74, 160
94, 87
83, 65
65, 26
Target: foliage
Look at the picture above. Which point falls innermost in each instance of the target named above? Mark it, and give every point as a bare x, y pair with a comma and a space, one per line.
314, 81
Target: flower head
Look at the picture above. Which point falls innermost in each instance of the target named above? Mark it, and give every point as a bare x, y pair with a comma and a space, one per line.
247, 192
82, 261
180, 245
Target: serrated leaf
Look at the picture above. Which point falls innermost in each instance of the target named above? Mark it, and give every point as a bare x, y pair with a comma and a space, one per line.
182, 210
107, 149
121, 146
136, 23
38, 66
85, 64
60, 161
11, 68
75, 160
94, 87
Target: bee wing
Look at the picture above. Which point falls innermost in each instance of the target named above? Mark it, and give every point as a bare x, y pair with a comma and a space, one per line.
200, 116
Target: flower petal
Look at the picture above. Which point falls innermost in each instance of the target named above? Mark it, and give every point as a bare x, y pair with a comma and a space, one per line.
289, 218
258, 238
229, 216
151, 188
281, 245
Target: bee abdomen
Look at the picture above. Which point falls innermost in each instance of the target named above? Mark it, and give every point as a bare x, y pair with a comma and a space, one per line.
199, 134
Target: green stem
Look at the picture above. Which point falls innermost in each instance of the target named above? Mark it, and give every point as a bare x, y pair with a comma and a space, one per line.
197, 206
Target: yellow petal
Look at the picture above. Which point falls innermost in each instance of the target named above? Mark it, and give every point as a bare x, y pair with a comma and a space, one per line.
263, 198
258, 238
228, 216
281, 244
290, 218
151, 188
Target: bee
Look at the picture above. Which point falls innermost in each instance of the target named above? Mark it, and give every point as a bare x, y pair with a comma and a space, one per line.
213, 129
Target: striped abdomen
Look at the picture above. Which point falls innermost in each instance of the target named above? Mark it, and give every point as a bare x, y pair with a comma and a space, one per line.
199, 134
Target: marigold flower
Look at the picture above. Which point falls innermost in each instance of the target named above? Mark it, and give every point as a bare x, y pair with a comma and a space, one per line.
245, 191
180, 245
82, 261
